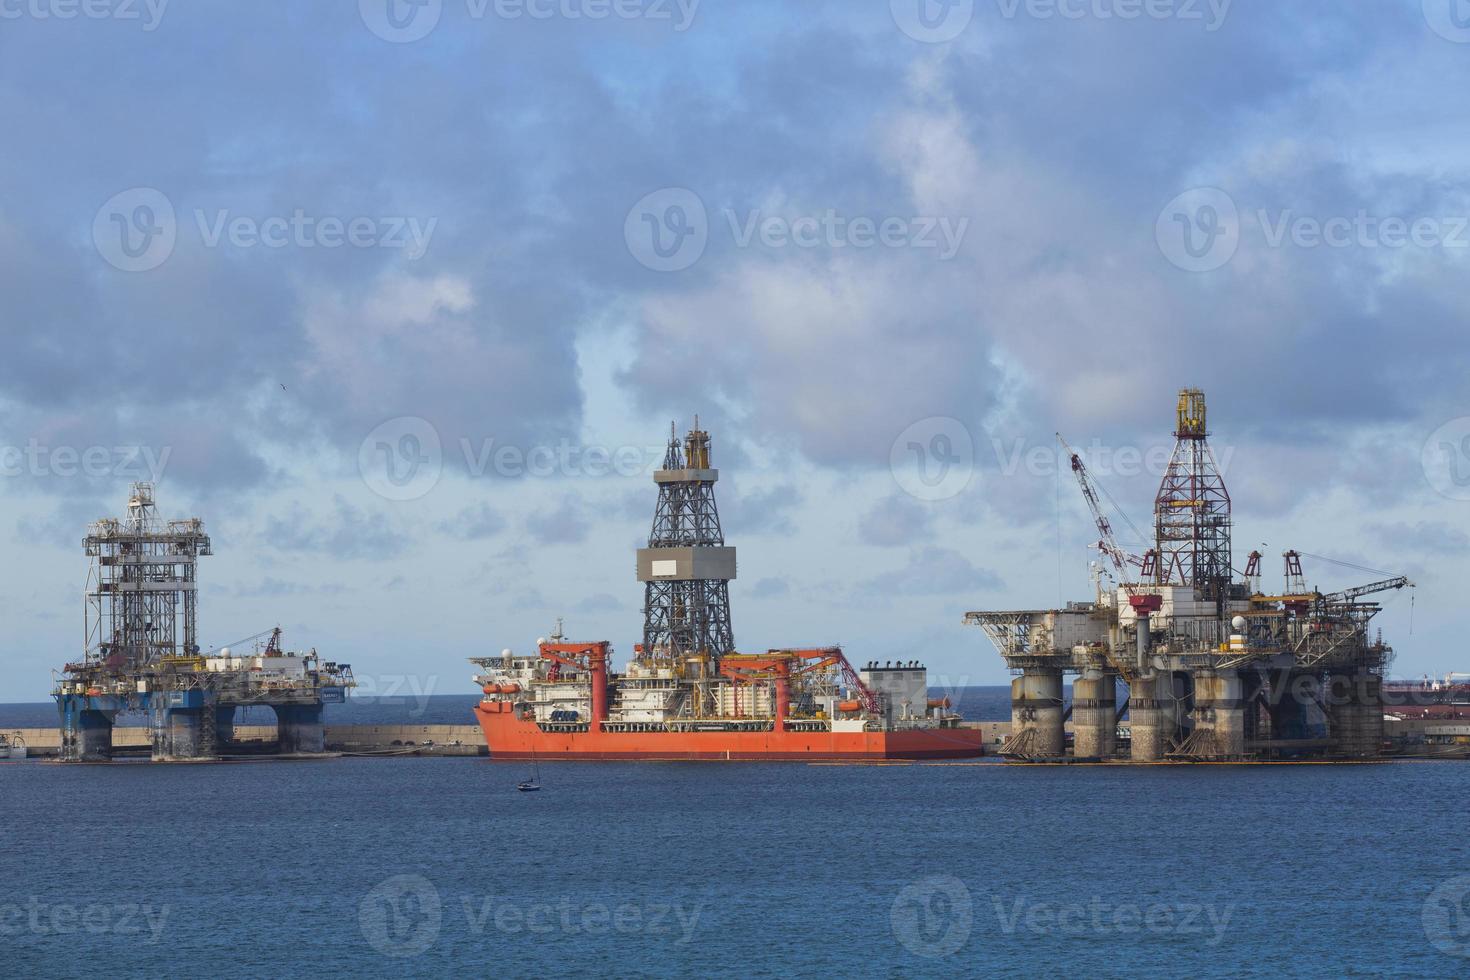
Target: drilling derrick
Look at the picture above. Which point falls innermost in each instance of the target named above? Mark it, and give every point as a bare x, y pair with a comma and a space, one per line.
686, 568
1192, 510
142, 586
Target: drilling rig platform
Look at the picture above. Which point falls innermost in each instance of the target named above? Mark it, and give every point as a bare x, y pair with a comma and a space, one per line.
142, 654
1216, 670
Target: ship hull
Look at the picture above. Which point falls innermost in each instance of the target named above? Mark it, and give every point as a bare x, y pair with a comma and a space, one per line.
512, 738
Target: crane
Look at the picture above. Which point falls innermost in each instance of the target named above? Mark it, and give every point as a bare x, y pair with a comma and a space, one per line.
1354, 594
777, 666
1108, 545
1144, 604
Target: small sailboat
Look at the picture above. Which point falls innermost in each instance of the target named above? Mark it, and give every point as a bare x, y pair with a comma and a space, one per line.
534, 783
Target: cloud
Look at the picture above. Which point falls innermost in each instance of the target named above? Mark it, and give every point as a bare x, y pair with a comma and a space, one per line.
1432, 537
347, 532
601, 602
65, 526
896, 520
474, 523
766, 511
933, 571
565, 523
834, 348
770, 588
271, 587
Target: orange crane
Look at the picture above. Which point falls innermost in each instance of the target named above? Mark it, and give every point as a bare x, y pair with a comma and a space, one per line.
589, 657
777, 665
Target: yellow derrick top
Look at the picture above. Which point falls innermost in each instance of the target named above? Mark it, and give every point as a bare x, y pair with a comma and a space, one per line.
1191, 413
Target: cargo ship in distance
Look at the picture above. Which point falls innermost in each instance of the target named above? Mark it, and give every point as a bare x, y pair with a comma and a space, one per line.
686, 694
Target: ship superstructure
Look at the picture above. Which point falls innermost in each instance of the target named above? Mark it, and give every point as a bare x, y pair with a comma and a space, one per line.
686, 693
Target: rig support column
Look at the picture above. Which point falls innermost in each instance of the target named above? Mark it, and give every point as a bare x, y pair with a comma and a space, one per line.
1151, 719
299, 729
1354, 709
1370, 714
224, 725
1095, 715
1219, 713
86, 733
183, 727
1036, 707
1291, 695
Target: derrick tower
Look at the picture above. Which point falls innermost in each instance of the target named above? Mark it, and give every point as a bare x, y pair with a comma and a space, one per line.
1192, 510
686, 568
142, 594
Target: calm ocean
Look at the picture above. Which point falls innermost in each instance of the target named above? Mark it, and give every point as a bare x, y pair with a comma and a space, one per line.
438, 867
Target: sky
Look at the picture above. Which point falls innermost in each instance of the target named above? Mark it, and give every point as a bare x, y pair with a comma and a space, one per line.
401, 297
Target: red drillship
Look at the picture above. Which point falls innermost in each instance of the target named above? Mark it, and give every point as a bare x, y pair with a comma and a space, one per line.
687, 694
562, 702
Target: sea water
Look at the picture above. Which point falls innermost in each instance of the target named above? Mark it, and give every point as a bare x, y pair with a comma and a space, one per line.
440, 867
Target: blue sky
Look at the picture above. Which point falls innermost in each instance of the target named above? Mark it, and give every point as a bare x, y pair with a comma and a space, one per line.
267, 245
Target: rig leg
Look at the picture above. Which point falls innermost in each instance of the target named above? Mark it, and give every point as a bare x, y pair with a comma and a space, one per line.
1292, 695
1354, 705
299, 728
224, 725
1219, 714
184, 733
1370, 714
86, 734
1151, 717
1094, 715
1036, 707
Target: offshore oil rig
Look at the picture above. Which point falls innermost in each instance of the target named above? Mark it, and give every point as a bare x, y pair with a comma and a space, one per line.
142, 654
1216, 670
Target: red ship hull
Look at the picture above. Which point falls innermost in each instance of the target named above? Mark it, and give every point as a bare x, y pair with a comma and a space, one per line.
510, 737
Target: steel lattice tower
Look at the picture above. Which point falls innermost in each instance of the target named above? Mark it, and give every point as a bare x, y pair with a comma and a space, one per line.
142, 595
1192, 510
686, 567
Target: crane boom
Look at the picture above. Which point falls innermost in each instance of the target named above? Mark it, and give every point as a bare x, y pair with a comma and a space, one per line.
1144, 604
1108, 545
1350, 595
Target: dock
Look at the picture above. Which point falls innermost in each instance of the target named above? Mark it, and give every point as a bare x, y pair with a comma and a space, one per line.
261, 740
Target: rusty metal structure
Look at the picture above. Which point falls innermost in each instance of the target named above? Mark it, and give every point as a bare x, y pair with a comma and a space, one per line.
1215, 669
